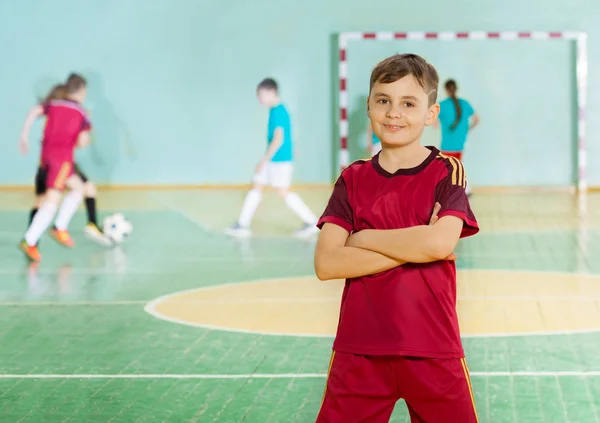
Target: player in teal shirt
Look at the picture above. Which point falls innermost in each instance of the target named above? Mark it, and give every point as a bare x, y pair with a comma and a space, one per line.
275, 167
456, 118
280, 118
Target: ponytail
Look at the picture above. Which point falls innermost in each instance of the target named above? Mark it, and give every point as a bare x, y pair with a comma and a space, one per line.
58, 92
451, 87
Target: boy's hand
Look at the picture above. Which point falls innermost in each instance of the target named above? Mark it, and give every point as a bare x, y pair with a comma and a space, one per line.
434, 215
354, 240
260, 166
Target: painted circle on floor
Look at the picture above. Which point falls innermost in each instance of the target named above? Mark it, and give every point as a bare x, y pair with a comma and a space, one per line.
490, 303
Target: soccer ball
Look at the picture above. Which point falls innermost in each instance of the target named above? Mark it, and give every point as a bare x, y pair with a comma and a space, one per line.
116, 228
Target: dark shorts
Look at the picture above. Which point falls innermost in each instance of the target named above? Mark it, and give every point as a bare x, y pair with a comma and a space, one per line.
41, 178
366, 389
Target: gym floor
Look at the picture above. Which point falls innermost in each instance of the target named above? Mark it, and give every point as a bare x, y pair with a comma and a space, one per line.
182, 323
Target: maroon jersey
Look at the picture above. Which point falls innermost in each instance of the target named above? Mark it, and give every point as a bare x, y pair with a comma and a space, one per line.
66, 119
409, 310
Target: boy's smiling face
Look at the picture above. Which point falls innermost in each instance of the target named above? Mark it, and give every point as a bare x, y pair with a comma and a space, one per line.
399, 111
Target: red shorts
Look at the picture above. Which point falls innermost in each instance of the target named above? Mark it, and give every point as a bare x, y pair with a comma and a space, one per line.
366, 388
57, 173
456, 154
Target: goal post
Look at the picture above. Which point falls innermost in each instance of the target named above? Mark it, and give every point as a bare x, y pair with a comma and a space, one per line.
581, 66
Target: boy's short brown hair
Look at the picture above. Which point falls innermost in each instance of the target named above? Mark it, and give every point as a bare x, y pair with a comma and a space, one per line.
400, 65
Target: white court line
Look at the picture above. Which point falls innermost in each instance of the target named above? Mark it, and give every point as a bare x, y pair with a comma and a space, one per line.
178, 210
280, 301
276, 375
71, 303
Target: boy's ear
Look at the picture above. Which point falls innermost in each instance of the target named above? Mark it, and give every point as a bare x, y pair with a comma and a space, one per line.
432, 114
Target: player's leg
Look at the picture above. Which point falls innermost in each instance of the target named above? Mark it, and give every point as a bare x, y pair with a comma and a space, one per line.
40, 223
251, 202
281, 179
435, 389
40, 191
91, 230
67, 210
57, 174
358, 389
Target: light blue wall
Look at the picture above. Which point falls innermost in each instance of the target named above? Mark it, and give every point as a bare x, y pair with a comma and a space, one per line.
173, 82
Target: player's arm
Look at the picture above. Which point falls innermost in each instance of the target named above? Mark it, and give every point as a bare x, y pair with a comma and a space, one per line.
422, 244
84, 139
474, 121
275, 145
32, 115
336, 260
417, 244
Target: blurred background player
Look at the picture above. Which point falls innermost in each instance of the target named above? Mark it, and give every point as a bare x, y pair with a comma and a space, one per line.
276, 167
67, 127
91, 230
373, 142
456, 118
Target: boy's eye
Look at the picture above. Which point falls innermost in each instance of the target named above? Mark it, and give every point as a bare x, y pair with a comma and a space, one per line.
408, 104
382, 101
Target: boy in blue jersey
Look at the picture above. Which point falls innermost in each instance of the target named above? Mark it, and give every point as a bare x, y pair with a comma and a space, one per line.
276, 166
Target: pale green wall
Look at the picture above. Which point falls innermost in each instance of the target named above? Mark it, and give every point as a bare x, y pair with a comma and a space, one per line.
173, 81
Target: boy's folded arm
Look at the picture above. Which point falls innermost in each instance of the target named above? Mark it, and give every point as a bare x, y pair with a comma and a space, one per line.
336, 260
417, 244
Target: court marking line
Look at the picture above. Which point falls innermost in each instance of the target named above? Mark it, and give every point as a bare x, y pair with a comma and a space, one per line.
178, 210
91, 270
150, 308
275, 301
277, 375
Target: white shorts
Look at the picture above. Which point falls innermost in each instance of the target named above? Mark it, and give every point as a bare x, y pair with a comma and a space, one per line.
375, 148
275, 174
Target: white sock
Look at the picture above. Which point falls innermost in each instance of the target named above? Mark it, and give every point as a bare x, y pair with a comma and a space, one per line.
295, 203
250, 205
67, 209
41, 221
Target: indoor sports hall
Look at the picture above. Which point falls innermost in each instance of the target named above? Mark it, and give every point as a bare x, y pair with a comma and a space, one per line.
183, 322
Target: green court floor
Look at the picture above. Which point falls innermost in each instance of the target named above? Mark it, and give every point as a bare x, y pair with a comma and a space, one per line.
78, 345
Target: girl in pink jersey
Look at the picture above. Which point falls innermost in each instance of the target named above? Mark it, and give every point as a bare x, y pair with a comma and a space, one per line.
67, 127
91, 230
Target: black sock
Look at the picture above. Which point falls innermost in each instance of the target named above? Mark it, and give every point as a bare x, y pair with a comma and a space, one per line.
90, 205
32, 215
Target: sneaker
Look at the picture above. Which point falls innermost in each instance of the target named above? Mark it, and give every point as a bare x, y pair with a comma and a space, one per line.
238, 230
307, 230
31, 251
91, 231
62, 237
